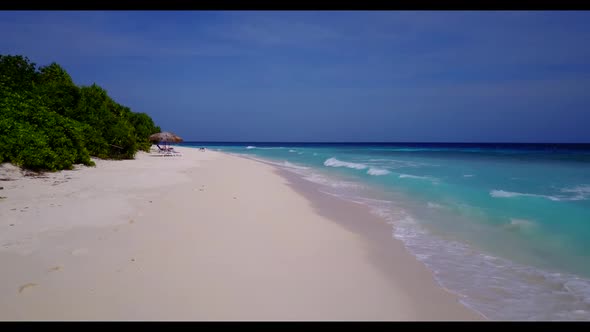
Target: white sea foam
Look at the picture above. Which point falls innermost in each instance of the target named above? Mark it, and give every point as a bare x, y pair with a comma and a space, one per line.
306, 173
373, 200
468, 175
322, 180
417, 177
495, 287
377, 171
292, 150
291, 165
333, 162
509, 194
281, 164
249, 147
408, 176
581, 192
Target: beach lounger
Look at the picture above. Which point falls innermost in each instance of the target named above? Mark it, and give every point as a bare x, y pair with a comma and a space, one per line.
168, 151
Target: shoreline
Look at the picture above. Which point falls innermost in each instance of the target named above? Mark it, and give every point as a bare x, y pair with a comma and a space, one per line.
382, 247
209, 236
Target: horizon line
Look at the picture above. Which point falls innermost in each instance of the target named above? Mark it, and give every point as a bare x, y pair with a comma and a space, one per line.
386, 142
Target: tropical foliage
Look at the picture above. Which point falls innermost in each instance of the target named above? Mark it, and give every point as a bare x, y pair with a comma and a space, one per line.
49, 123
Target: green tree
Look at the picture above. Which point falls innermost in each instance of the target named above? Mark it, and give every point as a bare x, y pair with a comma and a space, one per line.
18, 73
57, 89
144, 127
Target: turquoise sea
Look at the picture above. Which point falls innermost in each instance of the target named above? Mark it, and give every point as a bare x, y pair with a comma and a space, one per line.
505, 226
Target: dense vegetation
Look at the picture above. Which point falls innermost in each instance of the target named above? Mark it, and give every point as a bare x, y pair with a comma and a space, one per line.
49, 123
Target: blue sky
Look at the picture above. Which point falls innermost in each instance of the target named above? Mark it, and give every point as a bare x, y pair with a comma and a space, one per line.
328, 76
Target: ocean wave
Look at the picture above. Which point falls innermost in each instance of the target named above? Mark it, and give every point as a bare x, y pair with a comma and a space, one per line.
418, 177
497, 288
333, 162
377, 171
581, 192
284, 164
306, 173
468, 175
408, 176
509, 194
292, 150
249, 147
322, 180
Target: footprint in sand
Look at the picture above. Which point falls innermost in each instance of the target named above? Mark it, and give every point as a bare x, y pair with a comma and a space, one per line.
26, 286
131, 221
80, 252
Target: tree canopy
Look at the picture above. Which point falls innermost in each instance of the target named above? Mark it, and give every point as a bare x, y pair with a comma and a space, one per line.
49, 123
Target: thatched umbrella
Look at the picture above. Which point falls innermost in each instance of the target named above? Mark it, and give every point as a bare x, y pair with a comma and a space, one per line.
165, 137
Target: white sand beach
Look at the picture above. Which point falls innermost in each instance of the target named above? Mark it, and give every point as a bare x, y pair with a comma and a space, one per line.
203, 236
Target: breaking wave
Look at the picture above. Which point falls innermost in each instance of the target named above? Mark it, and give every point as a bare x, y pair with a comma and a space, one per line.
377, 171
333, 162
581, 193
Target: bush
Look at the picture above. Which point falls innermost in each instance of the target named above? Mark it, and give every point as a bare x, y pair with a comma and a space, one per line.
48, 123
